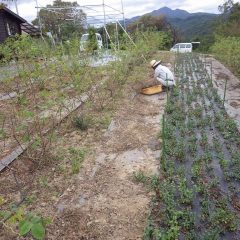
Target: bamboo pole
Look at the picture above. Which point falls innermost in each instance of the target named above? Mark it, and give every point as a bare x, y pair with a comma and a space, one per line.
104, 15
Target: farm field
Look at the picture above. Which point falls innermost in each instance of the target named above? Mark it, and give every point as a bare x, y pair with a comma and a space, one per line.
95, 145
96, 173
197, 193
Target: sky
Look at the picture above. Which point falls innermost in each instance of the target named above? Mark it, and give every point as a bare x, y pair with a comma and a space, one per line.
27, 8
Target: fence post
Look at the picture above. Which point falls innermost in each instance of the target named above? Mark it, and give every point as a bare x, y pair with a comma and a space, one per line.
205, 61
225, 90
163, 141
174, 68
167, 86
211, 71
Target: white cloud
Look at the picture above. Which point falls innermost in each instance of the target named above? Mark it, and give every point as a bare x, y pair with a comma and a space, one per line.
131, 8
201, 6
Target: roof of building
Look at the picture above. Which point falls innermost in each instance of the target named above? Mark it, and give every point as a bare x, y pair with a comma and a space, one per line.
25, 26
30, 29
13, 14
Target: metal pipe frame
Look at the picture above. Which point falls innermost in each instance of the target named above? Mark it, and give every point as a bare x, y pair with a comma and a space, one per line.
105, 15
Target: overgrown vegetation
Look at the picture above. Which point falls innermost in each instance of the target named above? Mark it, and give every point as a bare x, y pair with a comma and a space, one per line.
156, 23
45, 85
92, 44
227, 44
227, 50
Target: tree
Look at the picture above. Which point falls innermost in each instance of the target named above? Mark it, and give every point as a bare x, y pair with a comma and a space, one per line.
115, 36
148, 22
92, 41
226, 7
2, 5
229, 21
62, 19
157, 23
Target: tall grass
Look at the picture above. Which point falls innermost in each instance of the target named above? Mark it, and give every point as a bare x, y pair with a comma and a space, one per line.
227, 50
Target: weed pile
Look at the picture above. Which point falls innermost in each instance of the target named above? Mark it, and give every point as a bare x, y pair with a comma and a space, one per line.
197, 193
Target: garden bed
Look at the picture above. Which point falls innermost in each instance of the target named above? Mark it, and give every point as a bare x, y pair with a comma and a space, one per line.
197, 193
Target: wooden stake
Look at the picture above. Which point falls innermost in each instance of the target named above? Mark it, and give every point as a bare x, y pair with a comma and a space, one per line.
225, 89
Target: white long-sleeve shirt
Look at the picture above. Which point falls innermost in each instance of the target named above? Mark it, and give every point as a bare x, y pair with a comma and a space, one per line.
164, 76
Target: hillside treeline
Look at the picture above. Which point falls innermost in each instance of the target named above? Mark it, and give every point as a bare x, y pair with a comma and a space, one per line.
157, 23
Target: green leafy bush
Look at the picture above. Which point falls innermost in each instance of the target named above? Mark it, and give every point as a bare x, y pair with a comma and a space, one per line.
25, 222
35, 225
20, 47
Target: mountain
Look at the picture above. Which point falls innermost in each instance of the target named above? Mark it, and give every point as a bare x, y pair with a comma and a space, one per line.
189, 24
168, 12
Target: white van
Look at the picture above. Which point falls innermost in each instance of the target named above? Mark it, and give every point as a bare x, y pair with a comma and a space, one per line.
182, 47
84, 40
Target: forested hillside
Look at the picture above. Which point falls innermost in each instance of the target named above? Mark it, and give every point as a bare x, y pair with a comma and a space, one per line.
194, 26
190, 25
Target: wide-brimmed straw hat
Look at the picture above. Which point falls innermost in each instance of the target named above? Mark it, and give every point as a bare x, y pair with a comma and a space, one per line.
154, 63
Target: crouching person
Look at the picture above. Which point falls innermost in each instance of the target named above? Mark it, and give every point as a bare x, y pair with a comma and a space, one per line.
163, 74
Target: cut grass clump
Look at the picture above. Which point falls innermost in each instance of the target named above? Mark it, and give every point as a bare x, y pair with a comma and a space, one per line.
81, 122
76, 157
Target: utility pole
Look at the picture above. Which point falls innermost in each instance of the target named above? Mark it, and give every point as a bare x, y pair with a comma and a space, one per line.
39, 20
124, 22
16, 6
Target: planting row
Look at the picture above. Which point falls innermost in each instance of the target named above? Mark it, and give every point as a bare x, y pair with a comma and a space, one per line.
197, 194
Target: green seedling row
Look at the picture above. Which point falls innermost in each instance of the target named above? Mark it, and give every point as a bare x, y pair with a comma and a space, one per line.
198, 188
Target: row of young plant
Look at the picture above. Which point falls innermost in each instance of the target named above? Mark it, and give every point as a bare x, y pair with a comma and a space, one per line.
197, 194
47, 80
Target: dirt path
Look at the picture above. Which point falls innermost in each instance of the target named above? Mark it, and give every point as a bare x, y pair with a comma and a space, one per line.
220, 75
105, 202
